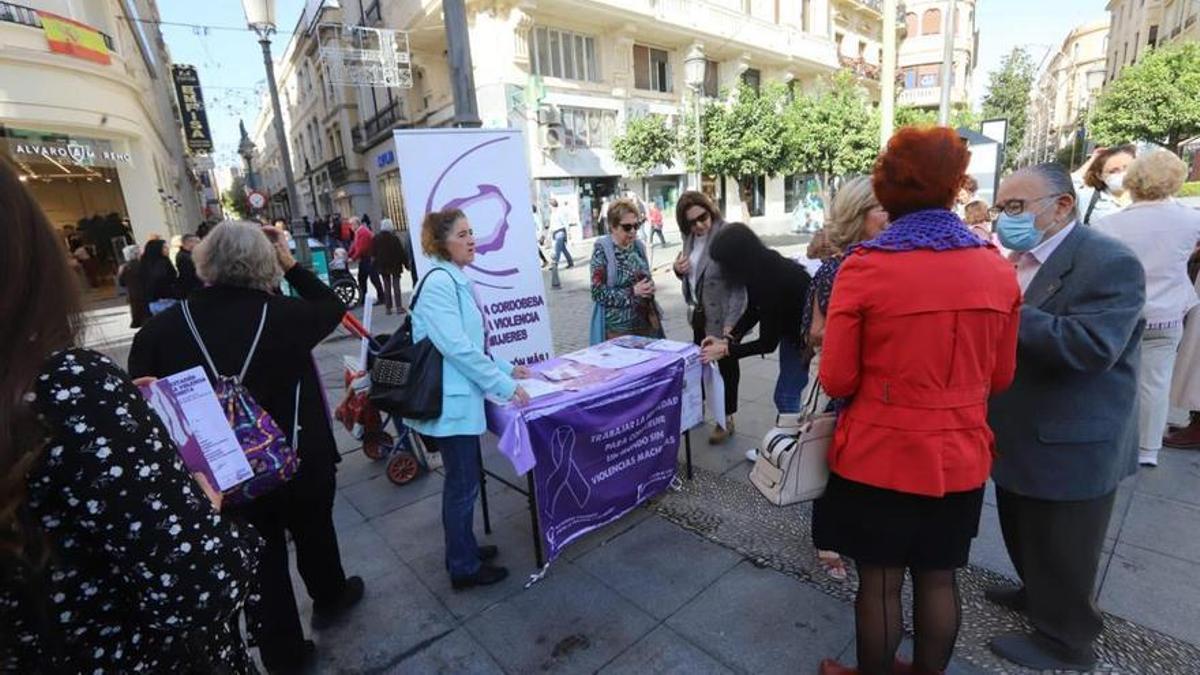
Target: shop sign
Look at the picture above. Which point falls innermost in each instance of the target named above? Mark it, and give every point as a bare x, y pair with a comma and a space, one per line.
72, 151
191, 108
386, 158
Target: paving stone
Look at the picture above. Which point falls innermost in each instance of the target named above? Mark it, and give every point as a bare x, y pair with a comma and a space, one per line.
658, 566
664, 651
344, 513
356, 467
1155, 590
1176, 477
1156, 524
567, 623
792, 626
455, 653
603, 536
378, 495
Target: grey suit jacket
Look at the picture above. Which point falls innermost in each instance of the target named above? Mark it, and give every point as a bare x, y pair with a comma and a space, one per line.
1067, 428
723, 301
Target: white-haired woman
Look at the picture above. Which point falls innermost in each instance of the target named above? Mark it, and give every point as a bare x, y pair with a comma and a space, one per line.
854, 216
389, 256
1163, 233
240, 264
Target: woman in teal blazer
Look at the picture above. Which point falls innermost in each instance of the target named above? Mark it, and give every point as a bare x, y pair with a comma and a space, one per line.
446, 312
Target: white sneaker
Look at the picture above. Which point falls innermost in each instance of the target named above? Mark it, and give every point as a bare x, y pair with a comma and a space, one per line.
1147, 457
752, 455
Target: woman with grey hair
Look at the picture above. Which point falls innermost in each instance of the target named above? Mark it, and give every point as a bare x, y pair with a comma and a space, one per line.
240, 264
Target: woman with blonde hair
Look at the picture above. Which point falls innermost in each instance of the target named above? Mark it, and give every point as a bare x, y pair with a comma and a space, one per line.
1163, 233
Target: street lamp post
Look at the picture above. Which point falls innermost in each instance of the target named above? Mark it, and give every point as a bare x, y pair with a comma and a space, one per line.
947, 72
312, 191
246, 150
693, 70
260, 16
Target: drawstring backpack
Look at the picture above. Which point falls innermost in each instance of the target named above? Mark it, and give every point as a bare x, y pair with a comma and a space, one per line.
271, 457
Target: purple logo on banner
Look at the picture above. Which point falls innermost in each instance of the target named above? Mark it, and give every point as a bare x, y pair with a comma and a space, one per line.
599, 459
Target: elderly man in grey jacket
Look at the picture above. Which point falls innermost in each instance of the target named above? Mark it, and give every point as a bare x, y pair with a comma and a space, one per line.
1066, 431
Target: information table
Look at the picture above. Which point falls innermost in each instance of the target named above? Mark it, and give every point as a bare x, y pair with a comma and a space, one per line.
597, 442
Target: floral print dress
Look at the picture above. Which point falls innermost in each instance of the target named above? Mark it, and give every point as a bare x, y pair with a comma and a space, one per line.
143, 575
624, 312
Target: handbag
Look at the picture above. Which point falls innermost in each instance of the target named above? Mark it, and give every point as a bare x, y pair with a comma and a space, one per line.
792, 464
272, 458
406, 376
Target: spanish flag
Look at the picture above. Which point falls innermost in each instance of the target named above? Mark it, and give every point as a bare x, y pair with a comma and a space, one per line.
67, 36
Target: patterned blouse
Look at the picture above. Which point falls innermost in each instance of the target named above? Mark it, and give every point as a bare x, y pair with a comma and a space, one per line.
143, 575
624, 313
821, 289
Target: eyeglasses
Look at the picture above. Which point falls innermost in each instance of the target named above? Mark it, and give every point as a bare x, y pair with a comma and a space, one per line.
630, 227
699, 219
1015, 207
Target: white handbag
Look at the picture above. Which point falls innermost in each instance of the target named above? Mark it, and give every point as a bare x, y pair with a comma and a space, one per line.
792, 464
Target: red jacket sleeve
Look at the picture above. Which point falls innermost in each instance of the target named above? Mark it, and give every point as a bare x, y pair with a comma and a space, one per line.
841, 349
1006, 354
362, 244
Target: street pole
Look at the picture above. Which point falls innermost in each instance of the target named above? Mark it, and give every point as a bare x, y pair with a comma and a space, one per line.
947, 63
887, 75
462, 79
312, 190
299, 231
699, 144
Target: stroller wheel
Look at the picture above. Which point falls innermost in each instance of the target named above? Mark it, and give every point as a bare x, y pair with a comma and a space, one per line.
403, 467
376, 444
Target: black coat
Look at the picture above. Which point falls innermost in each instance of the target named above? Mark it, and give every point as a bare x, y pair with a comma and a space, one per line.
776, 296
188, 281
227, 318
388, 253
160, 281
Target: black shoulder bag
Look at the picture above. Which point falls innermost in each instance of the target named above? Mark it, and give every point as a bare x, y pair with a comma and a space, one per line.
406, 377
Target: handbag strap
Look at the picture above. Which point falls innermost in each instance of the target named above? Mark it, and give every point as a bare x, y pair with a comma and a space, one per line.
814, 398
191, 323
412, 304
1087, 217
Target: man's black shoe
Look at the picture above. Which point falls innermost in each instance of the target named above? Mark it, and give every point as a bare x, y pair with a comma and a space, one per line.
488, 552
1008, 597
486, 576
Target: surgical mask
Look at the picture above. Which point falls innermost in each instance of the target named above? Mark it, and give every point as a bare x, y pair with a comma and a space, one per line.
1115, 182
1018, 232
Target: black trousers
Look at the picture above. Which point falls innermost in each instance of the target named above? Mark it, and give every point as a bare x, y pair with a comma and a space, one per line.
303, 508
366, 270
1055, 547
730, 371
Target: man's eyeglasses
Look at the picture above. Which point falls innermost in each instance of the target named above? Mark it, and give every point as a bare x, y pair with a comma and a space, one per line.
631, 227
703, 217
1015, 207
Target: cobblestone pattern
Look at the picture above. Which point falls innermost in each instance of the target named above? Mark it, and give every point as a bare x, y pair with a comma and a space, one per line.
733, 514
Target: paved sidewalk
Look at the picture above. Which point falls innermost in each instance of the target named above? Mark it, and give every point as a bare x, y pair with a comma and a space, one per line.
711, 579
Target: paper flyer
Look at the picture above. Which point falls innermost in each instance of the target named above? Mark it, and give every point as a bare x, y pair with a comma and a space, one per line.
714, 385
192, 415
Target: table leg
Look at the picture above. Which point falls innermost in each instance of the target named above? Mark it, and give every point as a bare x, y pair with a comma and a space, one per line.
533, 519
687, 444
487, 516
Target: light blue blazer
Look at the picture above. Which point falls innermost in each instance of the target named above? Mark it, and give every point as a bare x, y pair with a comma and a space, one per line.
446, 313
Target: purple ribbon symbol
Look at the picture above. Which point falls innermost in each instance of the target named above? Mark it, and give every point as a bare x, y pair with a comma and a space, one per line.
565, 476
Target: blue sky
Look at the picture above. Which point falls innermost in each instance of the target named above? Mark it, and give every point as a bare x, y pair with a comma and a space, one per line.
230, 61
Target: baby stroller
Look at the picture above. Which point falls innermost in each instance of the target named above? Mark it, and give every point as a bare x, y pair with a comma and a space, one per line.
406, 456
344, 286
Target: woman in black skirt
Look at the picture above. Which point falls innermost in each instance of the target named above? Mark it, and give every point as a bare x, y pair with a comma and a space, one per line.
917, 356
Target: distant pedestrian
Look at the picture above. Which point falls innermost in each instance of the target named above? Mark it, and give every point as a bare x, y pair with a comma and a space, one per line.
130, 278
388, 256
160, 281
1163, 234
320, 232
188, 281
360, 251
656, 225
559, 225
1100, 182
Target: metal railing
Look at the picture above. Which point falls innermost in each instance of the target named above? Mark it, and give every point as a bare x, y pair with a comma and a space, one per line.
385, 120
337, 169
27, 16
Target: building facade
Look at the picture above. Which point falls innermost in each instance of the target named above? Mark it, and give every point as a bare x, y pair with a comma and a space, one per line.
919, 62
319, 118
1180, 21
95, 132
1066, 91
1134, 27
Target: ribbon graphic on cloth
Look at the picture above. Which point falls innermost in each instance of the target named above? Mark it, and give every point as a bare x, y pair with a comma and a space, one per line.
565, 476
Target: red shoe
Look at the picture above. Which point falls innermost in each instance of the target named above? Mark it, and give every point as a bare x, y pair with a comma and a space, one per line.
1187, 438
832, 667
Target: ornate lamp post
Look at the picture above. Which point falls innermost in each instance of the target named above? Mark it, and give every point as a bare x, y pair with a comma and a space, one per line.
693, 72
246, 149
260, 16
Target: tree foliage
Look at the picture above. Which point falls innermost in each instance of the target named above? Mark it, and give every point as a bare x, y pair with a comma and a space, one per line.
234, 199
646, 143
832, 131
1156, 100
960, 116
1007, 96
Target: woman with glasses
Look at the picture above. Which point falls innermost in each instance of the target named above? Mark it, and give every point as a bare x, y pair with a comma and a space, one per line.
622, 288
715, 302
1100, 182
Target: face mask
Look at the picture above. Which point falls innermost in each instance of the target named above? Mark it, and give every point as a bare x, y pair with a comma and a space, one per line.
1018, 232
1115, 182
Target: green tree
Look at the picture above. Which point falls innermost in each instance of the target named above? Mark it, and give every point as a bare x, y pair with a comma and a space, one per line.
832, 131
1007, 96
234, 199
1156, 100
647, 143
742, 138
960, 116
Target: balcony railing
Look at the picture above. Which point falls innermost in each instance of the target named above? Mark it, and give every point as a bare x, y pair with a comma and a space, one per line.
860, 67
385, 120
337, 169
920, 96
26, 16
876, 5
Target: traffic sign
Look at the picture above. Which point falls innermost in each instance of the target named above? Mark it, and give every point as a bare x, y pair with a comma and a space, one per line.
256, 199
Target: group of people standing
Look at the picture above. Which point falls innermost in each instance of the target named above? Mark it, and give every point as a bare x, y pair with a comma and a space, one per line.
152, 282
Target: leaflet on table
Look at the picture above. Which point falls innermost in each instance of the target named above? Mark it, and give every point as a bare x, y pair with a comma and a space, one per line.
561, 372
633, 341
669, 346
536, 387
610, 356
193, 417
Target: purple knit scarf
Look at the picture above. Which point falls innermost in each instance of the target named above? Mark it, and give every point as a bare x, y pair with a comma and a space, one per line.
932, 229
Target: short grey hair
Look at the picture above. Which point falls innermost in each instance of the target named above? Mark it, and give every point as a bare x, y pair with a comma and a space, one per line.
237, 253
1058, 182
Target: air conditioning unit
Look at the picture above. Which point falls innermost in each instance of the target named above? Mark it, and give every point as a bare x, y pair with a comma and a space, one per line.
552, 136
548, 114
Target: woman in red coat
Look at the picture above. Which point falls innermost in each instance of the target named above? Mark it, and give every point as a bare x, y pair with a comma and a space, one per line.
922, 327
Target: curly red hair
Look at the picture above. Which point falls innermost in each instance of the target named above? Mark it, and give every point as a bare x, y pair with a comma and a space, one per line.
922, 168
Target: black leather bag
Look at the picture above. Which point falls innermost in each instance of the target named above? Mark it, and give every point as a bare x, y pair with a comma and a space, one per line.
406, 377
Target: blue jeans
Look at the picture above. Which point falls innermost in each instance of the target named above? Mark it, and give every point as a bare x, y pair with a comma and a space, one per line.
560, 248
460, 459
793, 377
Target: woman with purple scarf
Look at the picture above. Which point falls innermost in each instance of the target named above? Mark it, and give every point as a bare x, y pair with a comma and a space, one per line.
921, 329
